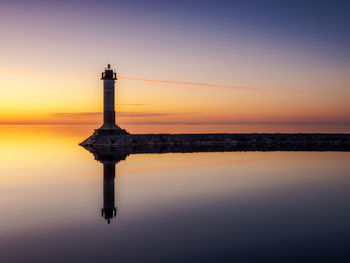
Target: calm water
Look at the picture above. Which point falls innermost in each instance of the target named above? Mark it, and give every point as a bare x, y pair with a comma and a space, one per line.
204, 207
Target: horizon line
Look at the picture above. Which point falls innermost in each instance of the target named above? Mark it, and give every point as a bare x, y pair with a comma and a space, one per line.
188, 123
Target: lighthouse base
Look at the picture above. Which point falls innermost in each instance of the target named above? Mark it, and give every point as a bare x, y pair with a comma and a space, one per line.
110, 129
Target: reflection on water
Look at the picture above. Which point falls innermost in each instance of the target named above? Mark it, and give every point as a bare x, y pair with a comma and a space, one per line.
173, 207
109, 210
109, 160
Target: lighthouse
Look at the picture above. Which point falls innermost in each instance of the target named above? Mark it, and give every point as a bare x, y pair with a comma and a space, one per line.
109, 125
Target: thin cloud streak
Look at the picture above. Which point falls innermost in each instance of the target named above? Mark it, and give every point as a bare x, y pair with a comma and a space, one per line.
134, 104
182, 83
92, 117
74, 115
200, 84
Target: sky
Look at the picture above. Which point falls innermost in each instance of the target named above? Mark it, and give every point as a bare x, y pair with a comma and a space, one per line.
187, 64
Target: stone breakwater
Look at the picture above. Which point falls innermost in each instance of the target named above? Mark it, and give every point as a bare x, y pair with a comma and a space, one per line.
143, 143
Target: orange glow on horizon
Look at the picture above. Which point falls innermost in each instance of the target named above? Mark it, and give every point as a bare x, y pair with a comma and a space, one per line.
61, 98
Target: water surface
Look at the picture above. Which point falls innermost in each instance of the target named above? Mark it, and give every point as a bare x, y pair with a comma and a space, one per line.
206, 207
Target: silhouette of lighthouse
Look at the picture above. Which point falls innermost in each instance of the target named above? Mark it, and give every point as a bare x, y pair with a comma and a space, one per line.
109, 210
109, 125
109, 158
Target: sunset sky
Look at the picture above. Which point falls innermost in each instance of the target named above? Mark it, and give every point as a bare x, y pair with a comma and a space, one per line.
184, 63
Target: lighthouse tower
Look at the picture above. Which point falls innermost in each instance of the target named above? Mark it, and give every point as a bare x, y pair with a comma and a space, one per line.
109, 126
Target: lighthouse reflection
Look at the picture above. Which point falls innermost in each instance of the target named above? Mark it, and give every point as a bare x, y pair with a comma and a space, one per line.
109, 209
109, 159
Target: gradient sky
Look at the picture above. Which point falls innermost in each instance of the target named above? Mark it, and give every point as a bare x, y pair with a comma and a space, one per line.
218, 62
